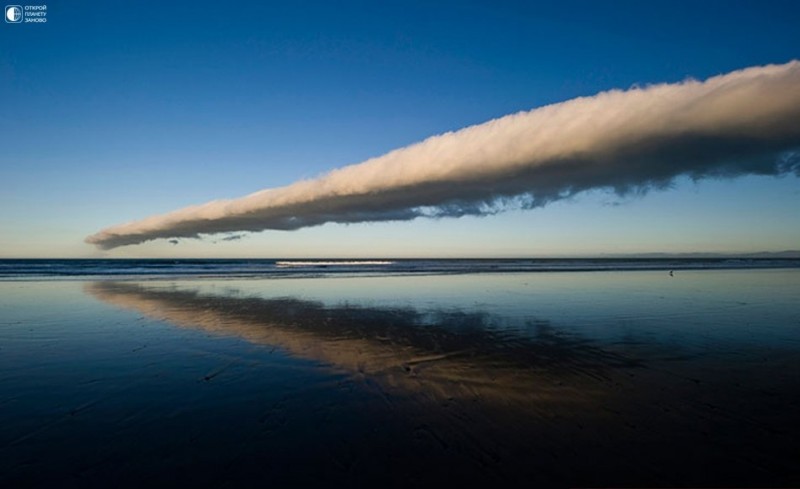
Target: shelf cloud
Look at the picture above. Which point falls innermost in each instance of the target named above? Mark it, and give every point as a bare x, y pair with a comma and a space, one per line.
741, 123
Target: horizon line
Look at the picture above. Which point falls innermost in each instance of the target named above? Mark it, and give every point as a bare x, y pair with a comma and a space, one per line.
785, 254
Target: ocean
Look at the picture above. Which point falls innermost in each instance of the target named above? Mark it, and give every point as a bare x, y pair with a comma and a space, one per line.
399, 373
269, 268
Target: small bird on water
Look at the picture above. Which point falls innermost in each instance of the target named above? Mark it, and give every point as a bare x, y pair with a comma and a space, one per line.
670, 274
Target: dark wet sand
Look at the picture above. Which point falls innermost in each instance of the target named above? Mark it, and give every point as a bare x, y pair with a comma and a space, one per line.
551, 380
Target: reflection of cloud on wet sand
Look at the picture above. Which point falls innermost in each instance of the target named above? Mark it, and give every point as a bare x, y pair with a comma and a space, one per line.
470, 394
442, 355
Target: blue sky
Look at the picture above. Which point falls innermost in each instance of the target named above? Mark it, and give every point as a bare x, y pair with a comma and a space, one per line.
116, 111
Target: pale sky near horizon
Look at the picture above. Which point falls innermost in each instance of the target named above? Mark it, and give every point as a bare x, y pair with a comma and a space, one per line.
113, 113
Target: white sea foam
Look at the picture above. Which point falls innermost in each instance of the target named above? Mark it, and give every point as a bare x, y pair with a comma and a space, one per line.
332, 263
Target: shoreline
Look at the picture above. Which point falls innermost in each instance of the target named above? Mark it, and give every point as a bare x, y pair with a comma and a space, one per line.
135, 269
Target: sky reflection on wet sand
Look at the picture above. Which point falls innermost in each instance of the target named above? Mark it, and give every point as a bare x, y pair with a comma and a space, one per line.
593, 379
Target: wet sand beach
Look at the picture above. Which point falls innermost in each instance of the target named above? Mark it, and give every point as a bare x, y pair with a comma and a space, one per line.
575, 379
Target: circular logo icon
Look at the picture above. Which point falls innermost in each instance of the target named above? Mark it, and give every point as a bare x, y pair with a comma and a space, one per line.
13, 13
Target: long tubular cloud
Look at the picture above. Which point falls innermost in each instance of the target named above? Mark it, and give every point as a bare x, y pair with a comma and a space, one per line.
743, 122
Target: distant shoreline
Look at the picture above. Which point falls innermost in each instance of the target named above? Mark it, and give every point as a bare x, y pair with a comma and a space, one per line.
15, 269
